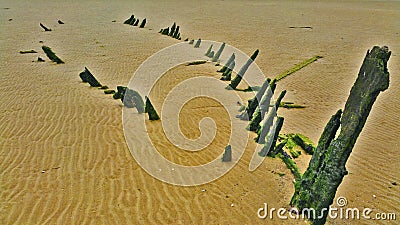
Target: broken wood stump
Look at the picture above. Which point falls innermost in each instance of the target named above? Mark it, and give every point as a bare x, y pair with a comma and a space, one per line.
227, 156
208, 50
218, 53
129, 21
317, 187
227, 64
197, 45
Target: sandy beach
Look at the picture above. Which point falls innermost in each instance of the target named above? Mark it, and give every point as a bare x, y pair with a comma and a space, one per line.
63, 154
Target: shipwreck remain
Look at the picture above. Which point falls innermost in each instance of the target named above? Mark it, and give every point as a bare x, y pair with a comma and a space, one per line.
317, 187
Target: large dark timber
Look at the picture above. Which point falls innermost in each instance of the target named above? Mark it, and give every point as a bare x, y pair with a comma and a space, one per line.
317, 187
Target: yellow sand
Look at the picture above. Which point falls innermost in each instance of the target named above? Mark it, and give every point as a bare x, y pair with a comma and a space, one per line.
63, 156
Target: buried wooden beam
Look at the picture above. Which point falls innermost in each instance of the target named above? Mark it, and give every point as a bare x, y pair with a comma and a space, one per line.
52, 56
44, 27
297, 67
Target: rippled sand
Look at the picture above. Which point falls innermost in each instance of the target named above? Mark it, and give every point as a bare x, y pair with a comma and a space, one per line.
63, 156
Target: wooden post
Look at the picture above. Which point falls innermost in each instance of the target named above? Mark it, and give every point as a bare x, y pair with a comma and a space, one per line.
317, 187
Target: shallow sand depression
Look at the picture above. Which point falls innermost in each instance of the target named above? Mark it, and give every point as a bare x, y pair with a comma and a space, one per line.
63, 155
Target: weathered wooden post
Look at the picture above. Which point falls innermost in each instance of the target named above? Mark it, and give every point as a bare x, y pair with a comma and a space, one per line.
227, 156
218, 53
253, 103
171, 33
235, 82
263, 130
227, 75
209, 50
176, 33
143, 23
317, 187
232, 58
129, 21
197, 45
261, 110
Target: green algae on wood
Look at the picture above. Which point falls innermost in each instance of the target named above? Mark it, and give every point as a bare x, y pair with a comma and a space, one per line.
327, 168
52, 56
297, 67
304, 142
290, 164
